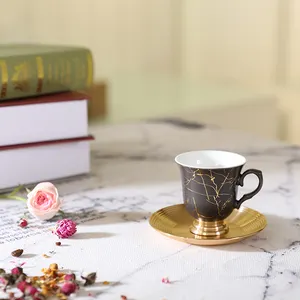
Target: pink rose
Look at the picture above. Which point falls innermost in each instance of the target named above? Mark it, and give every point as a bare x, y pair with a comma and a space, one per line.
43, 201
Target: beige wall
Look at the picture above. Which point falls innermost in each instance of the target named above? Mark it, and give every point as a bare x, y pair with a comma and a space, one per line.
230, 40
236, 41
131, 35
254, 43
249, 43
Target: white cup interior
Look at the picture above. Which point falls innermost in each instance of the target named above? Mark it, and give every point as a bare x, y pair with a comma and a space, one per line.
210, 159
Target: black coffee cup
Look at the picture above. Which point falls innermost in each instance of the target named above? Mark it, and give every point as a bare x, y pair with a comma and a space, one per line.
210, 180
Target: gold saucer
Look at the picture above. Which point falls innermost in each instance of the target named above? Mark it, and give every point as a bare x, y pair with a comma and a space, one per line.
174, 221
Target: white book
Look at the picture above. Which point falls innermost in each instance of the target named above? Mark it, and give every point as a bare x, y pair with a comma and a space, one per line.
45, 161
51, 117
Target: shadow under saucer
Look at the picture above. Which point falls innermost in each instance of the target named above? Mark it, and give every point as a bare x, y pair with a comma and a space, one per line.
281, 234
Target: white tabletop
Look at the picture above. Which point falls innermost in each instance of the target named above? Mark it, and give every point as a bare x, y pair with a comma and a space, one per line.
134, 175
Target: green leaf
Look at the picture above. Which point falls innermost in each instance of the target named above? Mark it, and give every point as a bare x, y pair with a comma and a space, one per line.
12, 195
4, 196
61, 212
17, 198
16, 190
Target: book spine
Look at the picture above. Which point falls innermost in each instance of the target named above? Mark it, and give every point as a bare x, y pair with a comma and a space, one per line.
47, 73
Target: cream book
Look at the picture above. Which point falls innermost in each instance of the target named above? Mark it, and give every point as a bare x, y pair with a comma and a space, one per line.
47, 118
44, 161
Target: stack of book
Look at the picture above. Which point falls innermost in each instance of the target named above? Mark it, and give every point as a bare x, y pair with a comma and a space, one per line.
43, 116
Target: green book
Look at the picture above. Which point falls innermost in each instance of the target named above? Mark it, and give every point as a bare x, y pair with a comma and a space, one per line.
34, 69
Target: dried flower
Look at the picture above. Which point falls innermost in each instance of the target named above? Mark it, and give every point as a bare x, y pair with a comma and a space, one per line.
65, 228
53, 267
37, 296
58, 243
90, 278
17, 271
22, 286
123, 297
53, 283
23, 223
61, 296
30, 290
68, 288
165, 280
70, 277
7, 279
3, 280
17, 253
18, 264
21, 277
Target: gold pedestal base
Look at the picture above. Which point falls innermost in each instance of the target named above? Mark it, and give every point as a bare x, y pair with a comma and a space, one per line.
209, 229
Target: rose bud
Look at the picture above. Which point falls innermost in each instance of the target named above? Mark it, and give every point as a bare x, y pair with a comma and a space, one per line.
22, 286
68, 288
17, 271
30, 290
70, 277
23, 223
3, 280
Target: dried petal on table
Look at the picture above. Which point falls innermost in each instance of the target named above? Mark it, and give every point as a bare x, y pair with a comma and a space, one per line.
90, 278
165, 280
18, 264
17, 253
23, 223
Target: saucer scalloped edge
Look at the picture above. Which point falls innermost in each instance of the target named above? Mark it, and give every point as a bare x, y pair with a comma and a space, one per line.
174, 222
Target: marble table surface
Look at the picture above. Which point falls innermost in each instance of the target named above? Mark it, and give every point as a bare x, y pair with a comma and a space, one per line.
133, 175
